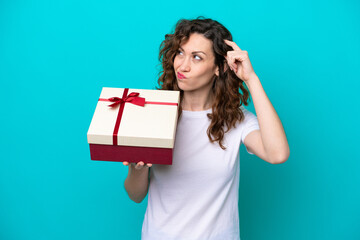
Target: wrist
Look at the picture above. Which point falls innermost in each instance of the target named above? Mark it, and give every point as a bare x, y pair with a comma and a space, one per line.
254, 79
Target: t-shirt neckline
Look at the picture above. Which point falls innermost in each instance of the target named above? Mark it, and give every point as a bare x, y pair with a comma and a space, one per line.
196, 114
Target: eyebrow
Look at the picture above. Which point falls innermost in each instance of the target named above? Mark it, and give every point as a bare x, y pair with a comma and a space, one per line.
194, 51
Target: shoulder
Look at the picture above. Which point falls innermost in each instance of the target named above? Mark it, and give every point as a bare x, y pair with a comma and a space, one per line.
244, 110
248, 116
249, 123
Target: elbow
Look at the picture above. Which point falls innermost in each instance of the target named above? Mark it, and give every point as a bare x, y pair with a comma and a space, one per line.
281, 158
135, 196
137, 200
137, 187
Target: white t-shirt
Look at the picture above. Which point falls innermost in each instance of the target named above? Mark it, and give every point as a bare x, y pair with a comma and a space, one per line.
196, 197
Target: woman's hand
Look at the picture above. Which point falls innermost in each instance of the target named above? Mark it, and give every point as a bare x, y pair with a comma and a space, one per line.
238, 61
139, 165
137, 181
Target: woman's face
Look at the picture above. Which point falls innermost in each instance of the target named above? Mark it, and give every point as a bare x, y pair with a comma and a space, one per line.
194, 64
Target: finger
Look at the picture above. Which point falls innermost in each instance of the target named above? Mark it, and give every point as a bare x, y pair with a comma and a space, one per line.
234, 65
226, 63
149, 164
230, 65
139, 165
232, 62
125, 163
230, 59
235, 69
232, 44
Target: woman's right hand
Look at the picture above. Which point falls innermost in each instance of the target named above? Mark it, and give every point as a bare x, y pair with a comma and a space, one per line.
138, 166
137, 181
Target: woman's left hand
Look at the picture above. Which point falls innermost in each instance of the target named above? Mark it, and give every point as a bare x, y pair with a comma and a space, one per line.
238, 61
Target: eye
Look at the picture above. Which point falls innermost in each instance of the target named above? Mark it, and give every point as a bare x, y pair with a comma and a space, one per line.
179, 51
198, 58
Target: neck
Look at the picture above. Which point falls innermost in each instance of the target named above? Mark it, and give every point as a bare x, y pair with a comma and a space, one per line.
195, 101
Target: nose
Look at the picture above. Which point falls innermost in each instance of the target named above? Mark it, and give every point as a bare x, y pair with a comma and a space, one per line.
185, 65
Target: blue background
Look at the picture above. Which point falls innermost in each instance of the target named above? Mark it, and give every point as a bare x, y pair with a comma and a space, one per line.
55, 56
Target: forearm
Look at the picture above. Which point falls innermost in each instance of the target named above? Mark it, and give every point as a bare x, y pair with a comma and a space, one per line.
272, 132
136, 184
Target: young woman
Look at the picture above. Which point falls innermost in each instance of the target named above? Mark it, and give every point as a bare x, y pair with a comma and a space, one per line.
197, 196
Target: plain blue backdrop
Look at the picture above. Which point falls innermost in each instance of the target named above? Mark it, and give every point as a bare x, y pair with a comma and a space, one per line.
55, 56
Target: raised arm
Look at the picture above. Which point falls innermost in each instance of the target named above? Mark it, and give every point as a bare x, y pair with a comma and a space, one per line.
268, 143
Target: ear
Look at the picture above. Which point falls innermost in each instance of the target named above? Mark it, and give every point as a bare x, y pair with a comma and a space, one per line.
217, 71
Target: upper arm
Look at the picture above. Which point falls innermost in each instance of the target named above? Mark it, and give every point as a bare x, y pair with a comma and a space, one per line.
251, 136
253, 143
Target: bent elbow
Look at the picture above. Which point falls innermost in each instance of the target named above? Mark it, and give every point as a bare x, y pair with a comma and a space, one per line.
137, 200
281, 158
279, 161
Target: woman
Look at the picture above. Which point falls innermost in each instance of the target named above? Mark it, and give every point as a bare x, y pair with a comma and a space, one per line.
197, 196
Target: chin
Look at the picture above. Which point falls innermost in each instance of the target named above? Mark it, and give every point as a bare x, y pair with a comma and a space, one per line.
185, 88
181, 85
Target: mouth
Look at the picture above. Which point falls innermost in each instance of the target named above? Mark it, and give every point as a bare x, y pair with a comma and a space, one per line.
180, 76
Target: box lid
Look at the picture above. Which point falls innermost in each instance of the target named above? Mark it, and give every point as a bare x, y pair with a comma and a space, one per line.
153, 125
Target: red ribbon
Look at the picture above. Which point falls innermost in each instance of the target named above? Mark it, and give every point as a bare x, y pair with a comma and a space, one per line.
131, 98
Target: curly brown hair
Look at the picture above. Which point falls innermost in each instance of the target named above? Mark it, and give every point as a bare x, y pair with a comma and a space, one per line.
226, 109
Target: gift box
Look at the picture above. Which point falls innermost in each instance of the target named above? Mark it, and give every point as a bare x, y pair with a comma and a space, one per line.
134, 125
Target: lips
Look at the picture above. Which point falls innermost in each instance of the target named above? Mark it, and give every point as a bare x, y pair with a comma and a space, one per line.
180, 76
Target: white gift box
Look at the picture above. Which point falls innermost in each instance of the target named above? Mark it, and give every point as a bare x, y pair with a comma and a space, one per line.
140, 127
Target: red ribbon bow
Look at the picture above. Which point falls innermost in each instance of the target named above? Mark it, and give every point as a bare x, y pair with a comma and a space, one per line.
132, 97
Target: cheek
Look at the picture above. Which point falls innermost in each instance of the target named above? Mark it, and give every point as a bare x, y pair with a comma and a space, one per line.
205, 71
175, 62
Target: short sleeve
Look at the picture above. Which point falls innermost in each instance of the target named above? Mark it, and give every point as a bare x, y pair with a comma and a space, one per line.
250, 124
